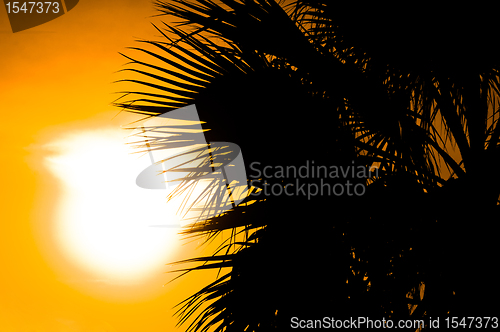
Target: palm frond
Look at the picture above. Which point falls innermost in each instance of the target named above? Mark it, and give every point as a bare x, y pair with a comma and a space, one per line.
250, 67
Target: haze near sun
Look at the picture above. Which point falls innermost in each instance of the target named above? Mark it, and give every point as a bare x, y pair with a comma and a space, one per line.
103, 217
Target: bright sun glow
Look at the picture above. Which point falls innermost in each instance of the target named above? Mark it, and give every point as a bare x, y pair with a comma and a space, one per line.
104, 218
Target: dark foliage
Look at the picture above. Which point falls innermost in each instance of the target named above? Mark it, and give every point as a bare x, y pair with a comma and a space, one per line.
337, 85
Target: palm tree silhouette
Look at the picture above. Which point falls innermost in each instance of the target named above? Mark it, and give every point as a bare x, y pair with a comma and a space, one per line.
308, 81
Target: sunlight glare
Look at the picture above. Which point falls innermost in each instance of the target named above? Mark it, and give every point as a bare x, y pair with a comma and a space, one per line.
104, 218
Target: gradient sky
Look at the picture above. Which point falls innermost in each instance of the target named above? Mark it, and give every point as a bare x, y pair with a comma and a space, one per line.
55, 90
55, 81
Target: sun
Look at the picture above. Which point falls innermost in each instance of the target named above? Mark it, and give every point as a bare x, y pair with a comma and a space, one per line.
103, 218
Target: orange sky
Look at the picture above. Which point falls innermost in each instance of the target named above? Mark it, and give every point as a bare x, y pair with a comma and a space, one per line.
55, 79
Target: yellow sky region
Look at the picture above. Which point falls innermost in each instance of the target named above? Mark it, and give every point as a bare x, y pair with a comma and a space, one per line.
55, 91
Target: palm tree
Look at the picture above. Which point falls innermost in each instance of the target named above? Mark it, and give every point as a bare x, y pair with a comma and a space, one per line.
307, 81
